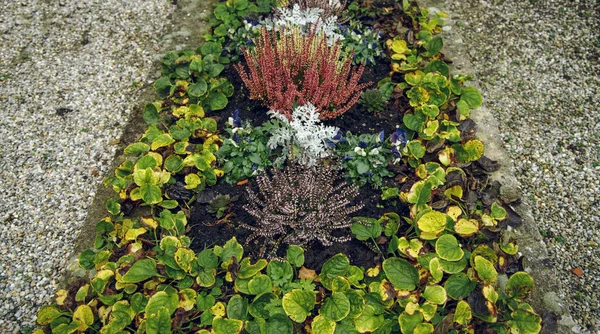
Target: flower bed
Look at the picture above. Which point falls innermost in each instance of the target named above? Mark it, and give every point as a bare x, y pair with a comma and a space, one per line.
263, 198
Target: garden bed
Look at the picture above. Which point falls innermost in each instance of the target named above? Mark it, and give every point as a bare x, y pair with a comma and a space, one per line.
337, 217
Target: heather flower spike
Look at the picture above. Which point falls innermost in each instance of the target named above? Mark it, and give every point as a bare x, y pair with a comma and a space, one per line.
299, 206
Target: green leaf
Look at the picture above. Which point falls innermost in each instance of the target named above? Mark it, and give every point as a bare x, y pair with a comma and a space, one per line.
463, 108
362, 167
113, 206
161, 141
86, 259
419, 193
192, 181
138, 302
136, 149
198, 89
497, 211
434, 46
150, 114
401, 273
431, 224
217, 101
337, 265
66, 328
227, 326
322, 325
213, 69
159, 322
462, 314
366, 228
231, 249
435, 294
204, 302
163, 82
472, 97
295, 254
336, 307
248, 270
298, 304
260, 284
206, 278
525, 321
357, 303
416, 148
162, 299
207, 259
448, 248
151, 194
409, 322
211, 48
145, 162
140, 271
280, 272
184, 257
173, 163
459, 286
485, 270
237, 307
259, 308
47, 314
520, 285
437, 66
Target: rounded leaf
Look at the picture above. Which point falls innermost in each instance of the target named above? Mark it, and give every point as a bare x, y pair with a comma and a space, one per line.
336, 307
459, 286
84, 316
448, 248
47, 314
431, 224
520, 284
435, 294
485, 270
401, 273
299, 304
322, 325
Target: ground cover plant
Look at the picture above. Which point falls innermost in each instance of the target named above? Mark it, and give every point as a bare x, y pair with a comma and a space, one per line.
320, 215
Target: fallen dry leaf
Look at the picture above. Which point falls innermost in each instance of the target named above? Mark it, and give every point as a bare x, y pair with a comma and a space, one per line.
577, 271
307, 273
242, 182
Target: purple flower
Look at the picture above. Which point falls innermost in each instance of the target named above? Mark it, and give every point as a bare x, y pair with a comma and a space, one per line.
254, 167
369, 174
236, 138
362, 144
395, 152
399, 137
381, 136
347, 158
237, 121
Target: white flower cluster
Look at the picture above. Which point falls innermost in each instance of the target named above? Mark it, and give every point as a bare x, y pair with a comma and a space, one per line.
306, 19
303, 138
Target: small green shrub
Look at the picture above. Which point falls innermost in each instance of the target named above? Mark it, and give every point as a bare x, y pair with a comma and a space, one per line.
373, 100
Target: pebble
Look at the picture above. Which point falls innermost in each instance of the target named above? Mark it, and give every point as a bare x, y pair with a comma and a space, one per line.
537, 65
67, 70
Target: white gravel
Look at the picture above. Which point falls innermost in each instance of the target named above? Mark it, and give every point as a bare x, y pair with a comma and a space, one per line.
67, 71
537, 62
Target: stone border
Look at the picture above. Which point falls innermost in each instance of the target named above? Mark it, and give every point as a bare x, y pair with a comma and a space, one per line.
544, 299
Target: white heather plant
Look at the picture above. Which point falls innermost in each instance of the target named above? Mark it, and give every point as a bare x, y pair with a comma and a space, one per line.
303, 138
305, 19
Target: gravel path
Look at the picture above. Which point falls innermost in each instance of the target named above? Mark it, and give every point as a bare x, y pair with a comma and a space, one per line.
67, 76
537, 64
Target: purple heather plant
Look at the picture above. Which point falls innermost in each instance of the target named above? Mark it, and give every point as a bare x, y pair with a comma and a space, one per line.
298, 205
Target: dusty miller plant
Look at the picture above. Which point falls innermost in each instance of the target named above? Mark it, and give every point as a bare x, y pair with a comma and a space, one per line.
298, 205
303, 138
307, 19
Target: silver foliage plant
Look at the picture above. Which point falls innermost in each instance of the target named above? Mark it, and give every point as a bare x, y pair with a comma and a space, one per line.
307, 20
304, 138
297, 205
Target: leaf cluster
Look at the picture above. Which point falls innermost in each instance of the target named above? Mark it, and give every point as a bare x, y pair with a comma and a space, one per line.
192, 77
365, 157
